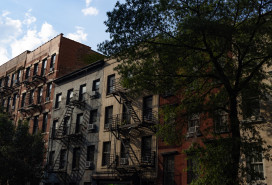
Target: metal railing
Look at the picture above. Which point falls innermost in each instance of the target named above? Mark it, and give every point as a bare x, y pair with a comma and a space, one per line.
148, 117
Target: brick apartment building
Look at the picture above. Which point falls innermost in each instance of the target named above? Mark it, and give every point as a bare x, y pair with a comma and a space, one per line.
26, 81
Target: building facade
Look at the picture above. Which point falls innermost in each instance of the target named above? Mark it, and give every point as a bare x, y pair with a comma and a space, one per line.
120, 146
75, 124
27, 80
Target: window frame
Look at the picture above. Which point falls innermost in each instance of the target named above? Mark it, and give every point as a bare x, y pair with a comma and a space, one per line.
110, 84
58, 100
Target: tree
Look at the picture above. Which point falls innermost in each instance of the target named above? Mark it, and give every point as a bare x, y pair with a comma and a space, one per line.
207, 53
21, 154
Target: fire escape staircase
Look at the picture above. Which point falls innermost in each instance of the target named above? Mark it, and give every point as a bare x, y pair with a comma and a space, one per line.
121, 132
66, 141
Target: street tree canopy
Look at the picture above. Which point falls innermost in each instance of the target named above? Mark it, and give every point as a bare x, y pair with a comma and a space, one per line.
208, 54
21, 154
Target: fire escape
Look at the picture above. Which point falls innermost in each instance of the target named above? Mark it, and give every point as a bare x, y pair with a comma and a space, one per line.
8, 93
129, 127
65, 139
32, 102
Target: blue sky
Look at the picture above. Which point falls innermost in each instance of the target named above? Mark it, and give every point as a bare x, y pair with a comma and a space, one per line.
26, 24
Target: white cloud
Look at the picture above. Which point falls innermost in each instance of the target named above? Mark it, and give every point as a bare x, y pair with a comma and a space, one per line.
88, 3
3, 55
18, 35
79, 35
90, 11
32, 39
29, 19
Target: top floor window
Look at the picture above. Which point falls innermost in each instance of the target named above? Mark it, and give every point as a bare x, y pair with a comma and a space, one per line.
52, 62
35, 69
18, 76
44, 62
12, 79
110, 84
82, 92
58, 100
27, 74
69, 96
96, 84
6, 80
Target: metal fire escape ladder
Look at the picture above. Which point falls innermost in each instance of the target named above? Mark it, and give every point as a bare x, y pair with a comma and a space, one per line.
60, 130
134, 156
129, 107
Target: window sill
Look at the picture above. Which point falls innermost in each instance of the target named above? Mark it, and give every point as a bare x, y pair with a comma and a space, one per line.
56, 109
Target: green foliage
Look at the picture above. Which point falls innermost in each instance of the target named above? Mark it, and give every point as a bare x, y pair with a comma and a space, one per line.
21, 154
206, 53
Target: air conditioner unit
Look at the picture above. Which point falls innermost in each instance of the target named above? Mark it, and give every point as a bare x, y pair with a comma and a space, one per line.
89, 164
94, 94
123, 161
91, 127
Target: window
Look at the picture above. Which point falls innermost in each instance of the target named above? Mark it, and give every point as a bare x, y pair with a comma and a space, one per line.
110, 84
39, 97
169, 170
76, 158
23, 100
125, 145
96, 84
221, 122
6, 81
108, 116
146, 149
251, 102
147, 108
126, 118
52, 62
106, 153
256, 164
18, 76
31, 96
8, 103
14, 101
12, 79
193, 125
191, 169
82, 92
66, 124
54, 128
43, 67
27, 74
35, 69
93, 116
44, 124
90, 153
51, 159
35, 124
58, 100
69, 96
48, 91
62, 162
78, 121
